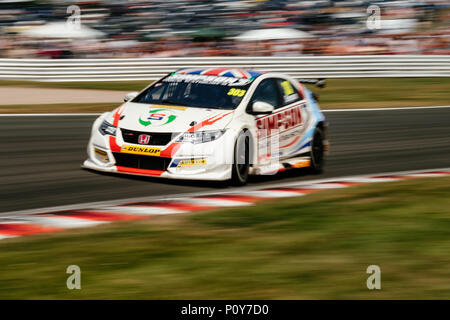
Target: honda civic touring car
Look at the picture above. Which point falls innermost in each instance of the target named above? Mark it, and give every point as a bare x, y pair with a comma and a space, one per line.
212, 124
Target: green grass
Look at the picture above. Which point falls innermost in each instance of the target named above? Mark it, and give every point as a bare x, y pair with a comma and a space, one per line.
384, 92
339, 93
313, 247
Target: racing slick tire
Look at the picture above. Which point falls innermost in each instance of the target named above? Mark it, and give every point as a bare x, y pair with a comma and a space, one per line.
317, 151
241, 160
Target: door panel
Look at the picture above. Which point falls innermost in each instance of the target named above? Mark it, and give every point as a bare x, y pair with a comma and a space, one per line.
279, 133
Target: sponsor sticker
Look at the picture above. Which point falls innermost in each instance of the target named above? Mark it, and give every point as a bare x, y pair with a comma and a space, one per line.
147, 151
289, 94
287, 88
283, 120
191, 162
207, 79
168, 107
100, 152
157, 117
101, 155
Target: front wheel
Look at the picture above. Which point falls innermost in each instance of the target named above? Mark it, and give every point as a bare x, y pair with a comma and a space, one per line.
241, 160
317, 151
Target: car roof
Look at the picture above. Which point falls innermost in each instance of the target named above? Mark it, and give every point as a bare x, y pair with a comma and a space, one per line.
224, 72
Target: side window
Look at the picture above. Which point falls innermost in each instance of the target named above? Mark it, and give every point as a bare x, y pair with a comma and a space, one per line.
154, 93
266, 92
289, 93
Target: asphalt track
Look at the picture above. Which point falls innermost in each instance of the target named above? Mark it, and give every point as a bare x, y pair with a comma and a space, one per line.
41, 156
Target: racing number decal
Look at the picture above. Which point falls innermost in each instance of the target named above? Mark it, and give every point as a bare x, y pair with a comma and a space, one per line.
236, 92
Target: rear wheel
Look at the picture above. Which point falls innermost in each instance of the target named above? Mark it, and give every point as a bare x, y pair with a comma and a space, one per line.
241, 160
317, 151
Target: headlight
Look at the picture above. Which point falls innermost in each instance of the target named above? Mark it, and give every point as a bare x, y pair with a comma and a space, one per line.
107, 128
200, 136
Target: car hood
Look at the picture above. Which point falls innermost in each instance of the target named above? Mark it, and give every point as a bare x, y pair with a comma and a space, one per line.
167, 118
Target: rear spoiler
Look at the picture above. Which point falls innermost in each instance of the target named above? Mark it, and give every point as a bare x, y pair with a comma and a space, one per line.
320, 83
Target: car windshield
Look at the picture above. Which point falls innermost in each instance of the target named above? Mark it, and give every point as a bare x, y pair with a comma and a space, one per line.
199, 91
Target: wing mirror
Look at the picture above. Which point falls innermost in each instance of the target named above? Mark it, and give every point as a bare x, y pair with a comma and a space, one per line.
130, 96
260, 107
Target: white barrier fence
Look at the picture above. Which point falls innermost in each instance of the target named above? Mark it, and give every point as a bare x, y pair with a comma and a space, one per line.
154, 68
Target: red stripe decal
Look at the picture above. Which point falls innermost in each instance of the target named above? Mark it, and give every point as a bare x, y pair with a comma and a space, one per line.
140, 171
22, 229
208, 122
113, 144
117, 115
170, 150
112, 139
291, 143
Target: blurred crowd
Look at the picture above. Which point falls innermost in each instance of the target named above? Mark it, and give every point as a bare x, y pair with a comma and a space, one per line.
175, 28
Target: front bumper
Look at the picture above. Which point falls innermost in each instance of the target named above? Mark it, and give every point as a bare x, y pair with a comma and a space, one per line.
216, 175
206, 161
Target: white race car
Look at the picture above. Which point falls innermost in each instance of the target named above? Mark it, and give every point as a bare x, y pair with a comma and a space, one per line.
211, 124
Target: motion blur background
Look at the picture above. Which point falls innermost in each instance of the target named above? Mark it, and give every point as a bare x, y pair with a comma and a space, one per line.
312, 247
174, 28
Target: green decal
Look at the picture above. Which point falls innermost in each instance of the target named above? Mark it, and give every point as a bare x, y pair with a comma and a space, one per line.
144, 123
171, 118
